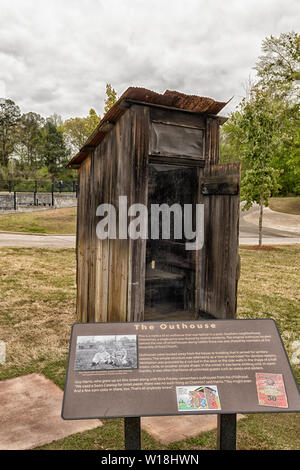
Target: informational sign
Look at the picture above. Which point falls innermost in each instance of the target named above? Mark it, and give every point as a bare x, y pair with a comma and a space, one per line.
177, 368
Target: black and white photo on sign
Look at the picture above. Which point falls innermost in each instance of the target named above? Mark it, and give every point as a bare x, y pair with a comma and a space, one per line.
106, 352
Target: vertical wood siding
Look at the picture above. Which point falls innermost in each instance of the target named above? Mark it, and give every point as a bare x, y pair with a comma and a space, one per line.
219, 258
110, 273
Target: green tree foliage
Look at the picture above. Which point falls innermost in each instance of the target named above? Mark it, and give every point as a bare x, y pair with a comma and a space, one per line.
254, 130
54, 153
286, 159
77, 130
32, 147
278, 67
111, 97
29, 140
9, 118
278, 71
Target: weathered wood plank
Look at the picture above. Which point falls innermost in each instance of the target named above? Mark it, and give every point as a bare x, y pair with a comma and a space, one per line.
178, 160
177, 117
82, 245
218, 283
138, 194
99, 312
118, 260
212, 141
224, 185
104, 197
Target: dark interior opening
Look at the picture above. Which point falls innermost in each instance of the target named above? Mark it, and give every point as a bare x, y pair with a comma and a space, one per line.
170, 267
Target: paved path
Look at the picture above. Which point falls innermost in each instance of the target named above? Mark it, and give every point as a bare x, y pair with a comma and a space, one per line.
278, 228
31, 413
43, 241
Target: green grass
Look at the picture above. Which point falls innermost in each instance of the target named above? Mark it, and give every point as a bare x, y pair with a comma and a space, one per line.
53, 221
37, 309
289, 205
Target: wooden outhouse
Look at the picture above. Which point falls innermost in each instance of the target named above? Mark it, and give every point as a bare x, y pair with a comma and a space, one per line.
154, 149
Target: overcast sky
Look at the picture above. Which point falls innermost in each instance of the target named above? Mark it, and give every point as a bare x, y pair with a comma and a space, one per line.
57, 55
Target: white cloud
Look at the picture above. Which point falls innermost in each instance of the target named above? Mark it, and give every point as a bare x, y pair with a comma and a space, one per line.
57, 56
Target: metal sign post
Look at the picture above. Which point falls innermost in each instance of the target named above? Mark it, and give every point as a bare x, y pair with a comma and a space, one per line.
226, 439
132, 430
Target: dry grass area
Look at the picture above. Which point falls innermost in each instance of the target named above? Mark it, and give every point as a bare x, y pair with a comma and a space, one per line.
37, 309
269, 287
52, 221
289, 205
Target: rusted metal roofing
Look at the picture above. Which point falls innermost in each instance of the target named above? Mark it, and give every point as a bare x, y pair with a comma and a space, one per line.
169, 99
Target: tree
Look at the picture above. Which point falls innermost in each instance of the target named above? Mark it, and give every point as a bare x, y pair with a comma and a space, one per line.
287, 157
9, 119
229, 144
277, 71
29, 139
279, 67
92, 121
111, 97
54, 154
77, 130
56, 119
254, 128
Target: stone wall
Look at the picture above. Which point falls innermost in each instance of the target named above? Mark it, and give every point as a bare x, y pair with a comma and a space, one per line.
6, 201
27, 200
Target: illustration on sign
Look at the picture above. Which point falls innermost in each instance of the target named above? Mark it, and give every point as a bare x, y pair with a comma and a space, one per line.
271, 390
106, 352
202, 397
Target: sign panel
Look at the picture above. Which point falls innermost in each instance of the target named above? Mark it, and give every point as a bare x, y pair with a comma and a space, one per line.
177, 368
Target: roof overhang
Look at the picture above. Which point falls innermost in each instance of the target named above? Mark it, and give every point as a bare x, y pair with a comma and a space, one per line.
172, 100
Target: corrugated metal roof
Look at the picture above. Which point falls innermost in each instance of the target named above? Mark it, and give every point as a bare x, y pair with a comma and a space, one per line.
170, 99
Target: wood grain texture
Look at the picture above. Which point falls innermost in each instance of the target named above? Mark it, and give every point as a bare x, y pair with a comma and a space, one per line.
110, 272
138, 194
212, 141
219, 258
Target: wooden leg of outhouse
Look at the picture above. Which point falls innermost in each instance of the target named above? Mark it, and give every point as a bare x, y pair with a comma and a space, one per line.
227, 431
132, 430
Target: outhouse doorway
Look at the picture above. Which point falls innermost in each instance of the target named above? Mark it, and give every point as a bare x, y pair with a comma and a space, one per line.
170, 278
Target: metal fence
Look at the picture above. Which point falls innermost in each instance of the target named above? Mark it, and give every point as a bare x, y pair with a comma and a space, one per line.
33, 186
15, 194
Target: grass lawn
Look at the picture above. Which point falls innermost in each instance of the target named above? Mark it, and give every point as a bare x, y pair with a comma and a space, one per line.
37, 309
53, 221
289, 205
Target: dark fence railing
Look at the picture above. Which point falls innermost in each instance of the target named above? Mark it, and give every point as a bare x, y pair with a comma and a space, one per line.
16, 194
11, 186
